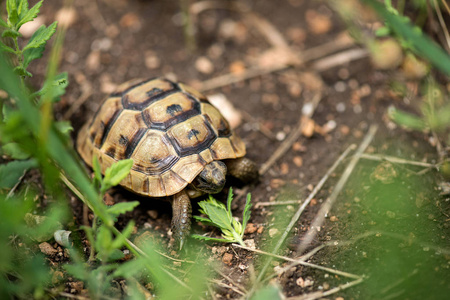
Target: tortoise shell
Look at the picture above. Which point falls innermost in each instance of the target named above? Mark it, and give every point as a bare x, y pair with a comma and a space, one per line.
169, 129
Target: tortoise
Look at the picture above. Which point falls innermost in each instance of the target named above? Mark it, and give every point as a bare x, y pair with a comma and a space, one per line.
181, 145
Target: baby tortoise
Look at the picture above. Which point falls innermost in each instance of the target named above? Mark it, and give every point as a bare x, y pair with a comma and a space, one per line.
181, 145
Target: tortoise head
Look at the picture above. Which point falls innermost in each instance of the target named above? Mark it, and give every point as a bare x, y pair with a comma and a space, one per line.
212, 179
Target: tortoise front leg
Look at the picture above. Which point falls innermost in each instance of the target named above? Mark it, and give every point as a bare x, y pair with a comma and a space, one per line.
181, 219
243, 169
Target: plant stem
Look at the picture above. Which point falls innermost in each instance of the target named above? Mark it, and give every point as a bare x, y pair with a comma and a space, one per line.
238, 238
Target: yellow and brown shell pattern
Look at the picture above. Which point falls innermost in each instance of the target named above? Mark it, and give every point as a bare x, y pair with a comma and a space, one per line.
169, 129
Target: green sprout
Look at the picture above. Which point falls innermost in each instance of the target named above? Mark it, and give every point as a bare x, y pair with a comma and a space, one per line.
18, 15
221, 217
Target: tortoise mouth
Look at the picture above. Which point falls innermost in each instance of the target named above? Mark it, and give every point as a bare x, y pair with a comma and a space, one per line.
212, 179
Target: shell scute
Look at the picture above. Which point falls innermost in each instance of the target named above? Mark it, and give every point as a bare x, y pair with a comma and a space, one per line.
191, 136
104, 120
154, 154
124, 134
147, 92
171, 110
216, 119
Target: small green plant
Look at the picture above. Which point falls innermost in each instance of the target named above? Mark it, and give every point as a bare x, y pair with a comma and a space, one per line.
410, 36
221, 217
18, 15
434, 109
101, 237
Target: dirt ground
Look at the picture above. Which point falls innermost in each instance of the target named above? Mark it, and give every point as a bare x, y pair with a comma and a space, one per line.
112, 41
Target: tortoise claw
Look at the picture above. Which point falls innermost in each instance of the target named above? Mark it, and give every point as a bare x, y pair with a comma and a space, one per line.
181, 219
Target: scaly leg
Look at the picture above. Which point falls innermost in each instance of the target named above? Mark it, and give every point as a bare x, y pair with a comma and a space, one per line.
181, 219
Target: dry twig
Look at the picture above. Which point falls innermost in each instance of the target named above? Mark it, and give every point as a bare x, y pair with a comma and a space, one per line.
302, 262
321, 294
339, 59
301, 209
397, 160
320, 217
442, 23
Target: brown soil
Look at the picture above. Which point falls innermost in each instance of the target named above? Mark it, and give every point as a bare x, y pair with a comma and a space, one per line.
112, 41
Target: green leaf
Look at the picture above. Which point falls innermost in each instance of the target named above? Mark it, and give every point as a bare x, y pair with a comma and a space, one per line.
5, 48
129, 269
383, 31
12, 171
64, 127
32, 54
7, 111
22, 72
41, 38
11, 33
229, 199
3, 23
122, 207
11, 8
22, 8
28, 15
97, 171
246, 214
116, 173
104, 239
120, 239
210, 239
77, 270
205, 221
217, 213
57, 87
406, 119
14, 151
115, 254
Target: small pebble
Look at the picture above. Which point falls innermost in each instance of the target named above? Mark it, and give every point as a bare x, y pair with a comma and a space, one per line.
284, 168
298, 161
297, 146
237, 67
273, 232
304, 282
317, 23
152, 61
250, 228
250, 243
204, 65
77, 285
47, 249
130, 21
66, 16
340, 107
227, 257
340, 86
308, 128
280, 136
